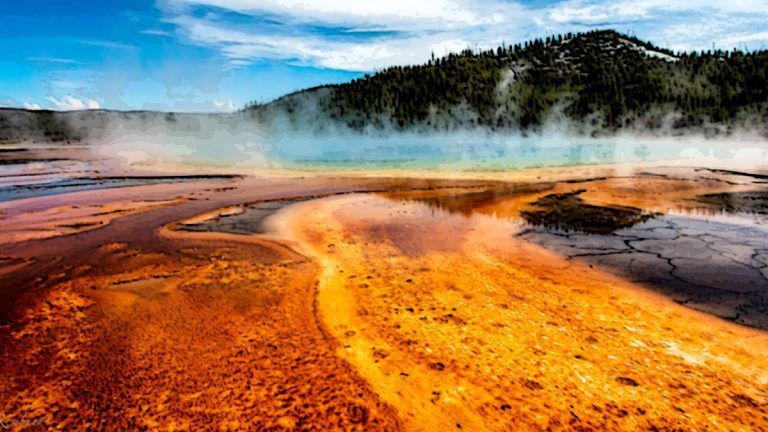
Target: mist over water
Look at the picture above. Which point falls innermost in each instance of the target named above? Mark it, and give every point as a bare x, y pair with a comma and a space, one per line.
237, 142
478, 150
181, 140
242, 142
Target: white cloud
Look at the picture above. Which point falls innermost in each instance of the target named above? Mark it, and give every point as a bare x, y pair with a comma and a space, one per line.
155, 32
390, 14
597, 11
363, 36
719, 30
745, 38
68, 103
108, 44
31, 106
243, 48
54, 60
354, 35
581, 12
227, 106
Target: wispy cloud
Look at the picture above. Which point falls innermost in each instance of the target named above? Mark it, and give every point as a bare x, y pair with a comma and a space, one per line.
747, 38
658, 10
54, 60
363, 36
315, 50
243, 49
346, 35
391, 14
71, 89
227, 106
106, 44
69, 102
156, 32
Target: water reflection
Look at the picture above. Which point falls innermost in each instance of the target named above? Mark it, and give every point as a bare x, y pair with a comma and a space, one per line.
562, 206
245, 220
752, 202
708, 250
502, 200
569, 212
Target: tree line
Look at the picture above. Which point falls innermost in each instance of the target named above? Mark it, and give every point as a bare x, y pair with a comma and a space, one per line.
601, 79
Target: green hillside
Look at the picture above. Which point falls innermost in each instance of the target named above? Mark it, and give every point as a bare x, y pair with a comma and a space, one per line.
596, 82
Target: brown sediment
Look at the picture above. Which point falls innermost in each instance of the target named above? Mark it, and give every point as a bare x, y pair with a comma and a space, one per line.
659, 190
470, 200
372, 314
685, 251
130, 325
64, 220
44, 155
244, 219
224, 339
475, 330
157, 330
26, 161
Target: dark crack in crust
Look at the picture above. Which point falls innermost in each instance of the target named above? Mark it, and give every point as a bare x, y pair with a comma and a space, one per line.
709, 266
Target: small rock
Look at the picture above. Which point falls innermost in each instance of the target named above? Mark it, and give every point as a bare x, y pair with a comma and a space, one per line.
627, 381
438, 366
357, 413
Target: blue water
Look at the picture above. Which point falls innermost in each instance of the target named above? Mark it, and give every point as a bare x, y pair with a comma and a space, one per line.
15, 192
492, 152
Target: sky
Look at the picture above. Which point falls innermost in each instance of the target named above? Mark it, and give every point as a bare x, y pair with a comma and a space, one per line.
217, 55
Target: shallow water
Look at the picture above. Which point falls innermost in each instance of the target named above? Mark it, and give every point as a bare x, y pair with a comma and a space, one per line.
79, 184
481, 151
711, 266
248, 219
453, 318
702, 242
707, 251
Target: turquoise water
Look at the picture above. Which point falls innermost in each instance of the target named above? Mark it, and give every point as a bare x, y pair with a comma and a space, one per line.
243, 145
482, 152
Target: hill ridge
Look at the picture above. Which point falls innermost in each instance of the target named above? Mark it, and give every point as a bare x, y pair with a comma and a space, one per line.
601, 81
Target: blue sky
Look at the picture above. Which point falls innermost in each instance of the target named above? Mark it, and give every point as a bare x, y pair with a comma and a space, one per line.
216, 55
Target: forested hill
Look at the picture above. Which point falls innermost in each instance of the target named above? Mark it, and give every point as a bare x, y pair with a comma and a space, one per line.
594, 83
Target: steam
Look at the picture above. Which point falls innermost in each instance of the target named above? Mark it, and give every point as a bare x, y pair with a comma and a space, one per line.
151, 140
296, 132
301, 135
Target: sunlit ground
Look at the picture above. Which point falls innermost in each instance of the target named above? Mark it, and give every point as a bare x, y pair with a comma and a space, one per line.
607, 297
